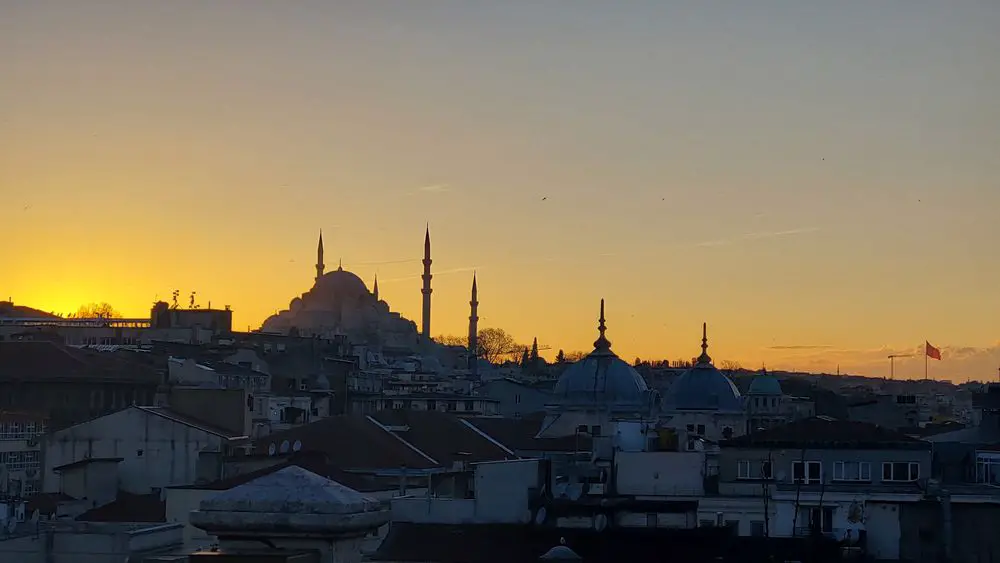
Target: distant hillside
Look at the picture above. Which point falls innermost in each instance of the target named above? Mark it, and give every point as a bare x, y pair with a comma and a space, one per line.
9, 310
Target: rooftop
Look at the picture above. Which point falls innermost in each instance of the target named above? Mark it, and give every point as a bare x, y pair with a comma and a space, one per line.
827, 433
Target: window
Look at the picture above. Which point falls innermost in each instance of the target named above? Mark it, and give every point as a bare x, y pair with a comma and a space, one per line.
690, 427
807, 472
701, 429
517, 399
746, 469
757, 529
988, 468
900, 471
743, 469
727, 432
706, 523
814, 519
432, 405
852, 471
470, 405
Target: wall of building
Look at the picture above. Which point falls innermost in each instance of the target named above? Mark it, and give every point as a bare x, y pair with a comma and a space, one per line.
96, 482
660, 473
222, 408
515, 399
782, 460
156, 452
974, 532
85, 542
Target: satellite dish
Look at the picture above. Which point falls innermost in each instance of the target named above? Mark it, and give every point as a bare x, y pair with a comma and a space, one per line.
560, 490
540, 516
600, 522
297, 446
574, 491
270, 449
35, 516
284, 447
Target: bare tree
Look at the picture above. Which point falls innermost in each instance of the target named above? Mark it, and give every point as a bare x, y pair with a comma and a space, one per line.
682, 363
452, 340
730, 365
575, 356
495, 344
100, 310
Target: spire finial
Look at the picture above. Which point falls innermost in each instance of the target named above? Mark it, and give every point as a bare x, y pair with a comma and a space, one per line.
602, 344
375, 287
340, 265
704, 358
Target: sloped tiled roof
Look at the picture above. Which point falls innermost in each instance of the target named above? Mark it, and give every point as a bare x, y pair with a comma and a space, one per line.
518, 434
24, 360
828, 433
316, 464
350, 442
442, 436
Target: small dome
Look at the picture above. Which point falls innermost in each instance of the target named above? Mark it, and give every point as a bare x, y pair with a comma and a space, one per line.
764, 384
703, 387
602, 376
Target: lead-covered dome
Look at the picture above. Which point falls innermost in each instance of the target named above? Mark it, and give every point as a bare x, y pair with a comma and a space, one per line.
602, 376
341, 283
703, 387
764, 384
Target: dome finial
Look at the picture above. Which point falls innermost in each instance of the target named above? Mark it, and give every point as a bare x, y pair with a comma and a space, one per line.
602, 344
340, 265
704, 358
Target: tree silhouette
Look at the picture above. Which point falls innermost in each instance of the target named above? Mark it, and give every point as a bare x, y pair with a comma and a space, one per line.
561, 357
452, 340
100, 310
495, 344
730, 365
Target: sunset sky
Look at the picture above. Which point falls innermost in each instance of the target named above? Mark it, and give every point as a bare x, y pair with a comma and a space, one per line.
819, 181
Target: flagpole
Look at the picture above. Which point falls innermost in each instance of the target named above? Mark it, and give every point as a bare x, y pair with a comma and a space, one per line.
925, 362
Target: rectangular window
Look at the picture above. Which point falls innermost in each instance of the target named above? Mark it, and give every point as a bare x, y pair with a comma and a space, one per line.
852, 471
701, 429
807, 472
743, 469
690, 427
757, 529
988, 468
900, 471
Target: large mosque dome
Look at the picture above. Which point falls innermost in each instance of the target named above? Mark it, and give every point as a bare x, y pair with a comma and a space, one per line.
703, 387
601, 377
342, 283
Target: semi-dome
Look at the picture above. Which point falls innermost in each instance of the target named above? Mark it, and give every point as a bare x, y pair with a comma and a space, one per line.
703, 387
764, 384
602, 376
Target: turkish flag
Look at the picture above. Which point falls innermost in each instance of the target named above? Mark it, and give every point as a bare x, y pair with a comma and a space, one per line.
932, 352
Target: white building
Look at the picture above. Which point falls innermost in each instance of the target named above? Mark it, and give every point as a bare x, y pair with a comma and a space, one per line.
155, 448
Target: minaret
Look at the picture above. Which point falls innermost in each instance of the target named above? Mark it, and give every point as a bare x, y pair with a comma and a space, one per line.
474, 329
375, 288
704, 358
320, 266
426, 321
